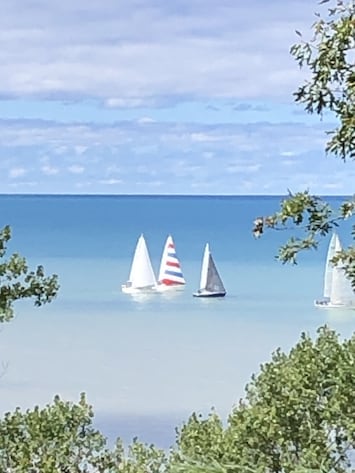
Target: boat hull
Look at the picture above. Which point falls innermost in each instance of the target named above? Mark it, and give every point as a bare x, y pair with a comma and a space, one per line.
324, 304
170, 287
208, 294
138, 290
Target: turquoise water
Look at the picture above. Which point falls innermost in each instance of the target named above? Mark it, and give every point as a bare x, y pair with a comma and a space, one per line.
146, 364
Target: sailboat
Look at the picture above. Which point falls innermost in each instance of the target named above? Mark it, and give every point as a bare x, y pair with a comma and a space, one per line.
170, 273
141, 277
337, 291
211, 284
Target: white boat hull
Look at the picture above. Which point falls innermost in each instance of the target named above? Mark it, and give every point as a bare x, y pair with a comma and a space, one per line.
170, 287
138, 290
326, 304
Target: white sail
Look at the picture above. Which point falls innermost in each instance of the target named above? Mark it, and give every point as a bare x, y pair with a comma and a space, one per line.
337, 287
211, 284
170, 273
328, 274
141, 275
337, 294
204, 268
341, 290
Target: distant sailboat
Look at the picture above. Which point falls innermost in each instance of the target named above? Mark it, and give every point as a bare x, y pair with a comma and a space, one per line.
170, 273
211, 284
337, 291
141, 277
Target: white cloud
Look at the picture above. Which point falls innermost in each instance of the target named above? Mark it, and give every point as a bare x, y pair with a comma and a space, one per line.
16, 172
130, 102
21, 186
133, 53
76, 169
163, 82
145, 120
288, 153
288, 162
243, 168
79, 149
83, 185
111, 169
49, 170
149, 184
333, 185
204, 137
163, 157
60, 150
110, 182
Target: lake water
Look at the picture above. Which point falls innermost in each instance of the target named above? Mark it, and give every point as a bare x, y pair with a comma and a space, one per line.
146, 364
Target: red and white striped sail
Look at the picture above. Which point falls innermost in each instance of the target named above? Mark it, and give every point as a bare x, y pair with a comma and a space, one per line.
170, 273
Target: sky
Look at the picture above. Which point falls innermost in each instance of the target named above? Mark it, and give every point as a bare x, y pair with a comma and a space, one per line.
159, 97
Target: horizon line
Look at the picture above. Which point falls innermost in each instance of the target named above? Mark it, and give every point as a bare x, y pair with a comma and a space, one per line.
58, 194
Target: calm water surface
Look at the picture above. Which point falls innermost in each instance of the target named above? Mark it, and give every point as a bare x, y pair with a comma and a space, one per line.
147, 363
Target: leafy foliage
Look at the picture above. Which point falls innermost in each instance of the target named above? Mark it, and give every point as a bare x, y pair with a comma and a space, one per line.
316, 219
298, 416
200, 438
60, 438
17, 281
51, 439
329, 57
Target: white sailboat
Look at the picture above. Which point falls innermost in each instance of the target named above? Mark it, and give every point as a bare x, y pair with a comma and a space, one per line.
170, 273
211, 284
337, 291
141, 277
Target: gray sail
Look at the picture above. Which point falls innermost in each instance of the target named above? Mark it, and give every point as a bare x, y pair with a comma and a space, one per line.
214, 281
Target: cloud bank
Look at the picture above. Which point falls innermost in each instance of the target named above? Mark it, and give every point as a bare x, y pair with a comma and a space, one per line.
131, 157
158, 97
132, 53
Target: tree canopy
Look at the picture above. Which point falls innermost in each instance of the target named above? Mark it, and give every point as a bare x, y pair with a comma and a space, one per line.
61, 438
329, 58
17, 281
298, 416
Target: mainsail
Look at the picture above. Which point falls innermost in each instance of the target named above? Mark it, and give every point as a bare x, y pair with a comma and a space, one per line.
337, 287
328, 274
170, 273
141, 274
210, 283
341, 291
214, 281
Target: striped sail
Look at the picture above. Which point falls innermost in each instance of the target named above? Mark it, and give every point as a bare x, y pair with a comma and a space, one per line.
170, 273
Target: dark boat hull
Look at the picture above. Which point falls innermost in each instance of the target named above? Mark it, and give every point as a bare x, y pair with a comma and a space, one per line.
210, 294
